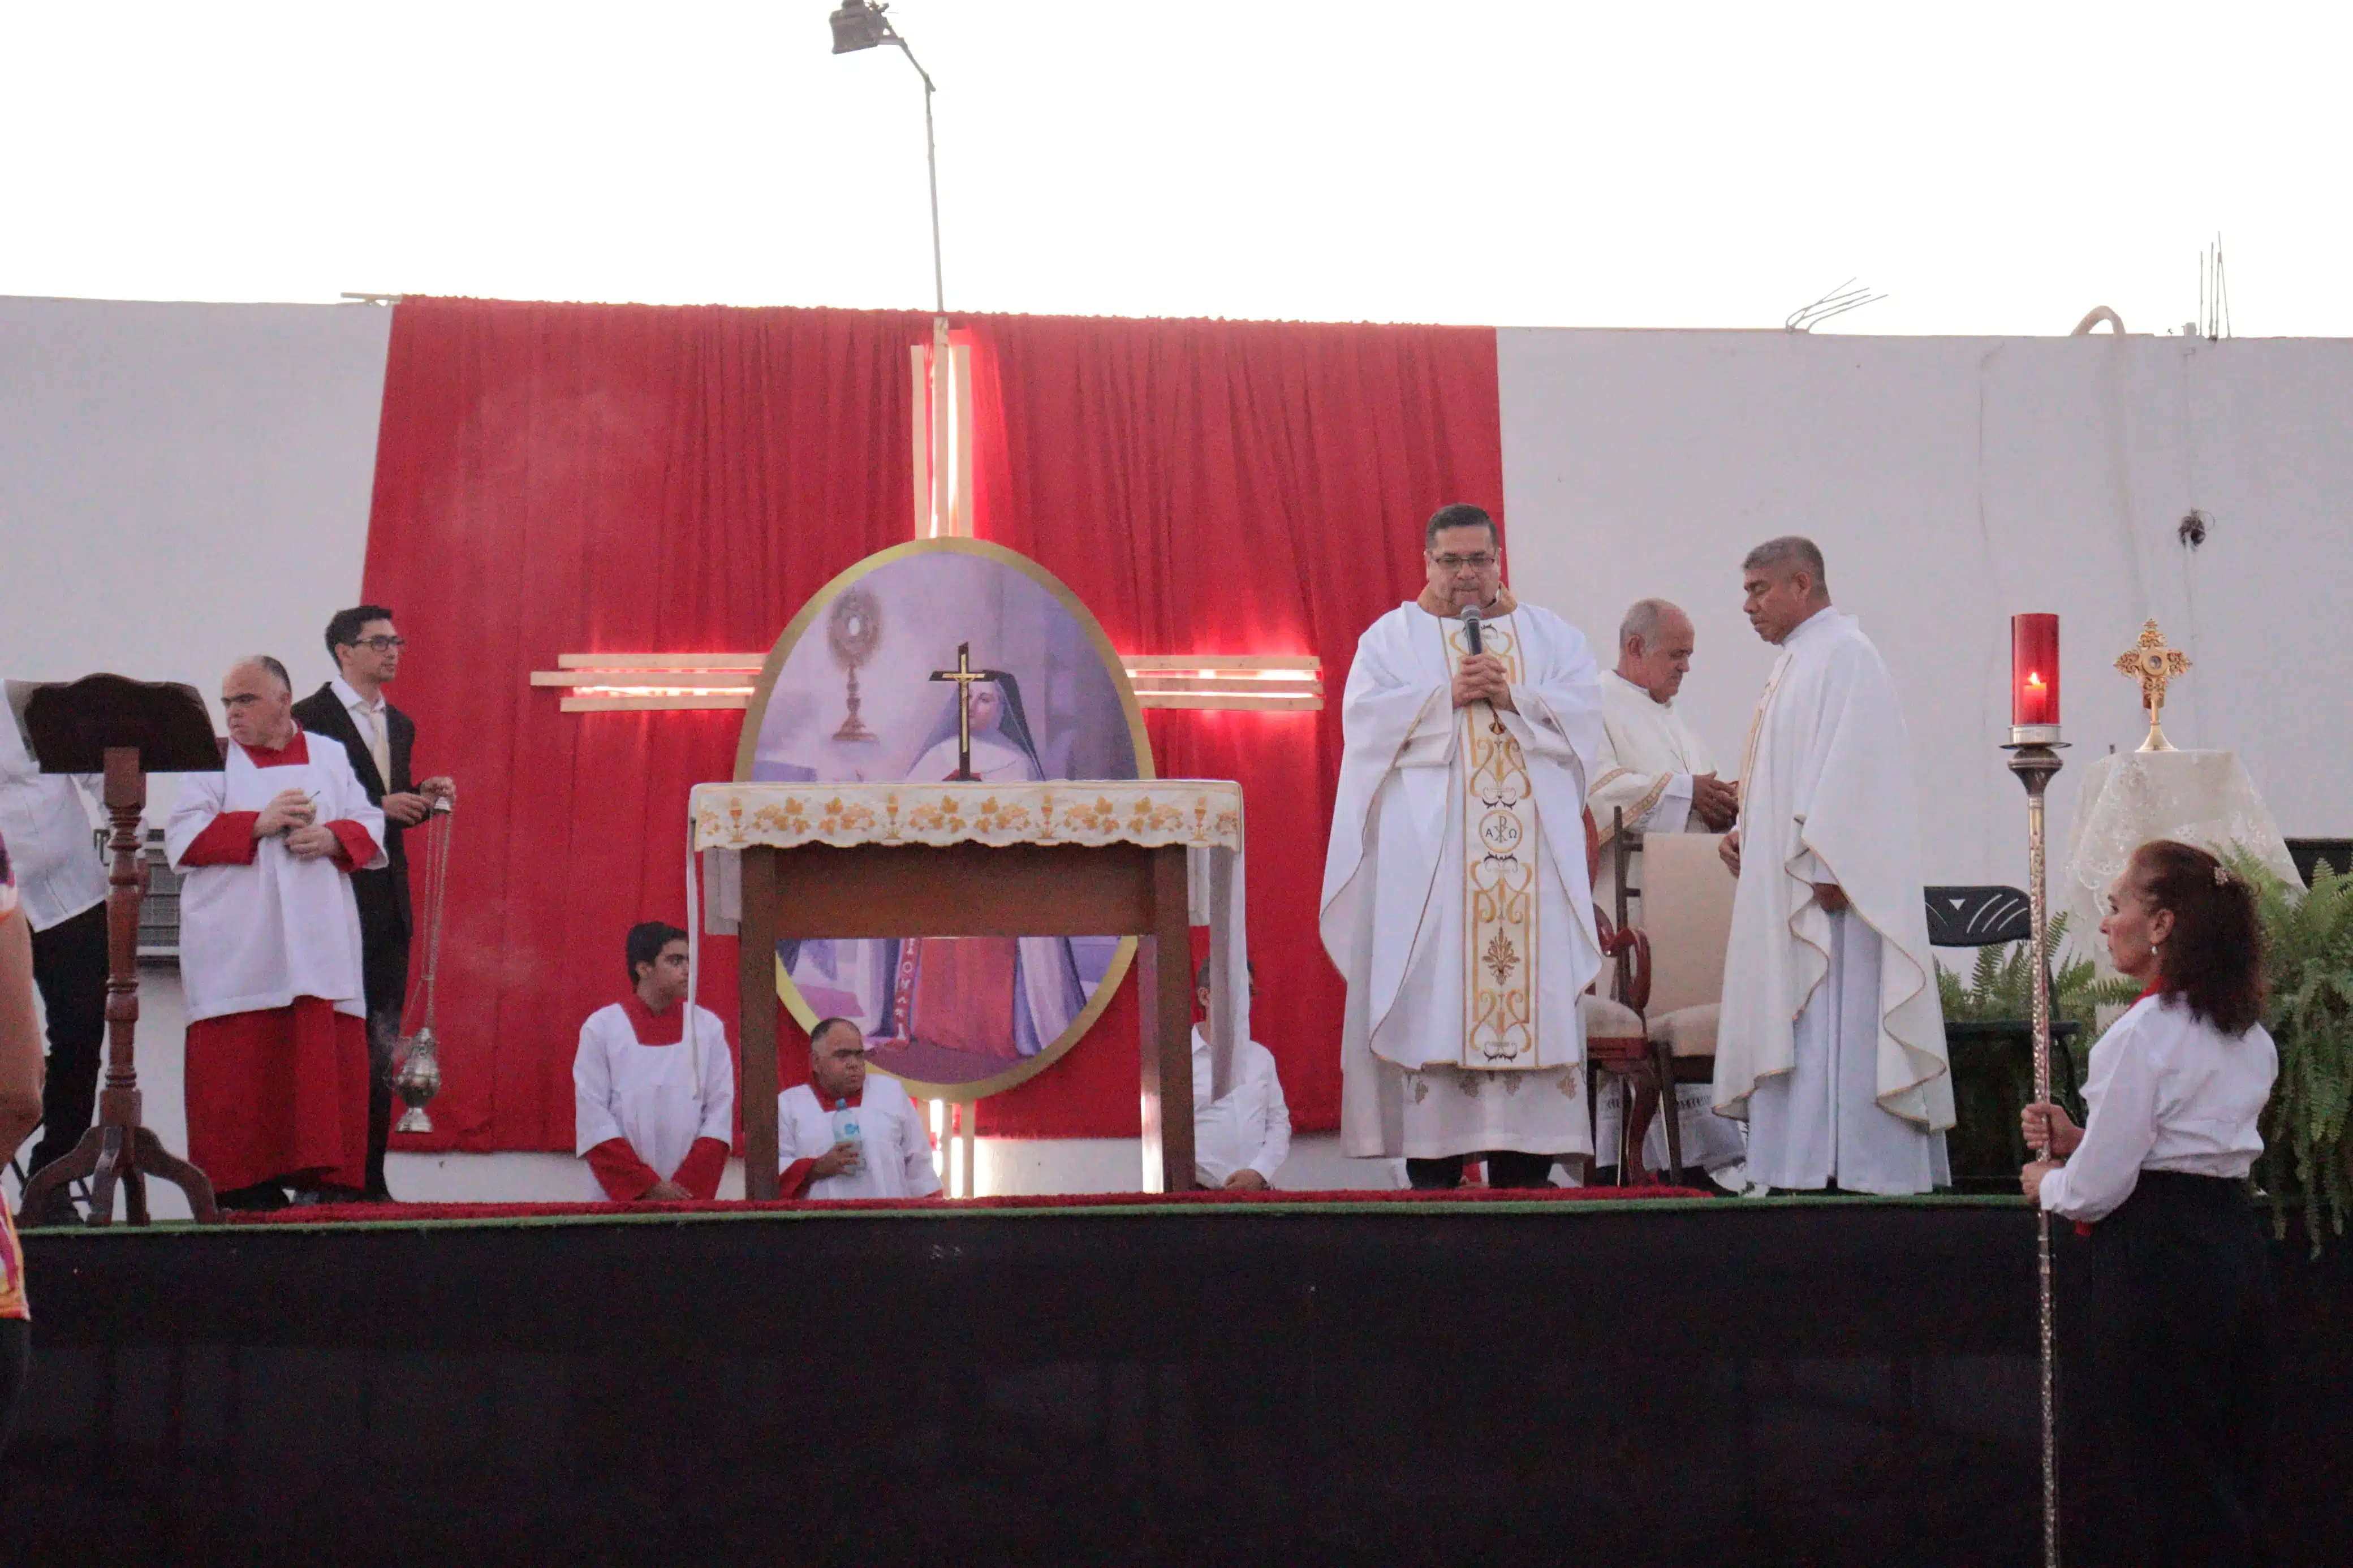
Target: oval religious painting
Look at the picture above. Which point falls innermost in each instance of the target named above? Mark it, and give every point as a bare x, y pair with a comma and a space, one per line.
855, 690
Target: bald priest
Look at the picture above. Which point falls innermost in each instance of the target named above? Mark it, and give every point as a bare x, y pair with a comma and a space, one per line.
270, 952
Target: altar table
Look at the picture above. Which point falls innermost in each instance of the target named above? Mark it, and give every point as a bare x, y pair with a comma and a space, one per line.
1062, 857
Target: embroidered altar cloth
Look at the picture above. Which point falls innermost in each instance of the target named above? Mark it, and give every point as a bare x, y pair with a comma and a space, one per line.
1203, 816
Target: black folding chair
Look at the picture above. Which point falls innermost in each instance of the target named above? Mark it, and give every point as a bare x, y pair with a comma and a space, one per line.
1993, 1059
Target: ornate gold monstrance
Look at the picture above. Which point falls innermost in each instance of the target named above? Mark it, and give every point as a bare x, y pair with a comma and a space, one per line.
2153, 664
852, 630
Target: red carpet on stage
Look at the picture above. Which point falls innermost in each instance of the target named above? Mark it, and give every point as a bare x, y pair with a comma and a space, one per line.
380, 1214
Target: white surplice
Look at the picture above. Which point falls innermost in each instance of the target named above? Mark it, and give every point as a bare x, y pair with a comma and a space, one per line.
256, 937
656, 1099
896, 1160
1832, 1043
1440, 1054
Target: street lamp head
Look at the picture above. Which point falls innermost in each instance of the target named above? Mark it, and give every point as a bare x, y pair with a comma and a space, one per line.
859, 25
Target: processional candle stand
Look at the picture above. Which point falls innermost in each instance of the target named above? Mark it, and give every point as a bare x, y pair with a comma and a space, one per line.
2034, 747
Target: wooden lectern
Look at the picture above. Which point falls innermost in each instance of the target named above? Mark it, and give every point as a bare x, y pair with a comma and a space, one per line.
124, 729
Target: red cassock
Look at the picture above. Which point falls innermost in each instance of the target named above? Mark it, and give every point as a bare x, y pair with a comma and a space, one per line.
275, 1091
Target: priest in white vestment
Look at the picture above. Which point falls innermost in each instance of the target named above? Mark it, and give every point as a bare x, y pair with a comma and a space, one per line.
1457, 902
1655, 768
277, 1056
1833, 1042
849, 1133
653, 1087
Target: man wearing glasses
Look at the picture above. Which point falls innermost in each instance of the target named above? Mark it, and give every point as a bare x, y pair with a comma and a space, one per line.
379, 739
1456, 899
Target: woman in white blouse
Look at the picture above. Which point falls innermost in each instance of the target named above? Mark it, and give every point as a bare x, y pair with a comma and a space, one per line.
2175, 1284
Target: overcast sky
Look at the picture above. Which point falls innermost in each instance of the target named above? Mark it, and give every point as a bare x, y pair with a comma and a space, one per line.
1991, 168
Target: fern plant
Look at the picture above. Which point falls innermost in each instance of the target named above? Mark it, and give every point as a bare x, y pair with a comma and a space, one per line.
2002, 987
2308, 966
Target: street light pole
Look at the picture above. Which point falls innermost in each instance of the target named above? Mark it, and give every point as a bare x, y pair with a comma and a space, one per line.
859, 25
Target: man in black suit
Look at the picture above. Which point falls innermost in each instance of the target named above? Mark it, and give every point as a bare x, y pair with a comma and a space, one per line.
380, 740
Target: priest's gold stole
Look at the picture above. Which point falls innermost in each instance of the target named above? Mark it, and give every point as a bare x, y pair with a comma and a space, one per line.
1499, 872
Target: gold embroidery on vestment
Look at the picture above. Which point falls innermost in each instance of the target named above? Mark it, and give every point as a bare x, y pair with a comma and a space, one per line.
1499, 871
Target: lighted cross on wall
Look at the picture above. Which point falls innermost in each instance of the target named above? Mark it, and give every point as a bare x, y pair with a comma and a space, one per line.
942, 491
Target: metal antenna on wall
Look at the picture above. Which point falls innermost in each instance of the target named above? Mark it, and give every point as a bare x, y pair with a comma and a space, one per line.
2213, 293
1847, 295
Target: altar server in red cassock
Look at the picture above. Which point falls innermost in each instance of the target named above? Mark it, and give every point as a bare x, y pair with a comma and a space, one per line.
270, 952
847, 1133
653, 1114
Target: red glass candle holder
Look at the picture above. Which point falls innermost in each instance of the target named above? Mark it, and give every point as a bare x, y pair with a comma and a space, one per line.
2034, 678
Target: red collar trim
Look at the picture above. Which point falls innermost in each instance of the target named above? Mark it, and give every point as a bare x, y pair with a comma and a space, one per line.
654, 1028
826, 1103
2154, 988
294, 753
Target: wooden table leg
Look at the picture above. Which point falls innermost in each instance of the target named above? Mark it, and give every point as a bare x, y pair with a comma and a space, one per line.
1166, 1025
757, 1031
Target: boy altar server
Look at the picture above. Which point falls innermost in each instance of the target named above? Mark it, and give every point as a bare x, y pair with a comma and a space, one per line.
845, 1135
654, 1121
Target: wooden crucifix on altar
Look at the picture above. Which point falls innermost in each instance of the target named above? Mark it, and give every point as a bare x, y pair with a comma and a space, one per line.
964, 675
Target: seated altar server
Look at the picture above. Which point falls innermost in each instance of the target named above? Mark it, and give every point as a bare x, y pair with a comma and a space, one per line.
270, 952
1457, 902
1833, 1042
1241, 1141
849, 1134
654, 1119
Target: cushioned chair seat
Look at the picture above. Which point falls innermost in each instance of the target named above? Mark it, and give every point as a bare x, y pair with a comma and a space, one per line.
1687, 1031
1613, 1031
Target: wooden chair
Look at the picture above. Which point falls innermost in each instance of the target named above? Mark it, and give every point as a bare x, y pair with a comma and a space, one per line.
1687, 921
1617, 1041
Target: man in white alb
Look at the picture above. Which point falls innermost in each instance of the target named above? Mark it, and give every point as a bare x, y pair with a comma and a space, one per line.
1456, 899
1652, 766
1241, 1141
1659, 773
1832, 1043
653, 1087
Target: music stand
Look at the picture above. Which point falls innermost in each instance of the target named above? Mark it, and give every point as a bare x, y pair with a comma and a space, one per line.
124, 729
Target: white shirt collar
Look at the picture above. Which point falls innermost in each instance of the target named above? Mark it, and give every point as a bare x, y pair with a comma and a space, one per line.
1822, 616
350, 697
1643, 692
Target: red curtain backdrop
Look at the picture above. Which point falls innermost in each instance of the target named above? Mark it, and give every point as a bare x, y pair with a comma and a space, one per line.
1235, 488
578, 479
560, 478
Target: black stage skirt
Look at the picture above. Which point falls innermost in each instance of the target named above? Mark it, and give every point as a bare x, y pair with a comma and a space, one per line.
2176, 1389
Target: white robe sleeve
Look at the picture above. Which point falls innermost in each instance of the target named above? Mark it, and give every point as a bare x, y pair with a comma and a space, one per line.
199, 801
922, 1180
350, 802
1385, 707
1274, 1136
718, 1078
593, 1121
2105, 1167
788, 1147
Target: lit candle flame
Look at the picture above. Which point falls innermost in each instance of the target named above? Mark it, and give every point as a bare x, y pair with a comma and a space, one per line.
2034, 681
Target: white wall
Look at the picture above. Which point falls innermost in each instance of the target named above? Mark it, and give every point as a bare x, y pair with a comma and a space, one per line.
1950, 482
182, 484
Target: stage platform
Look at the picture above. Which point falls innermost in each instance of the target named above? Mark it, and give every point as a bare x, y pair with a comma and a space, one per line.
1293, 1380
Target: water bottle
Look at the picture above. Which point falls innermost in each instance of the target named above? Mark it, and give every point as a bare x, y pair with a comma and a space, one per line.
845, 1131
